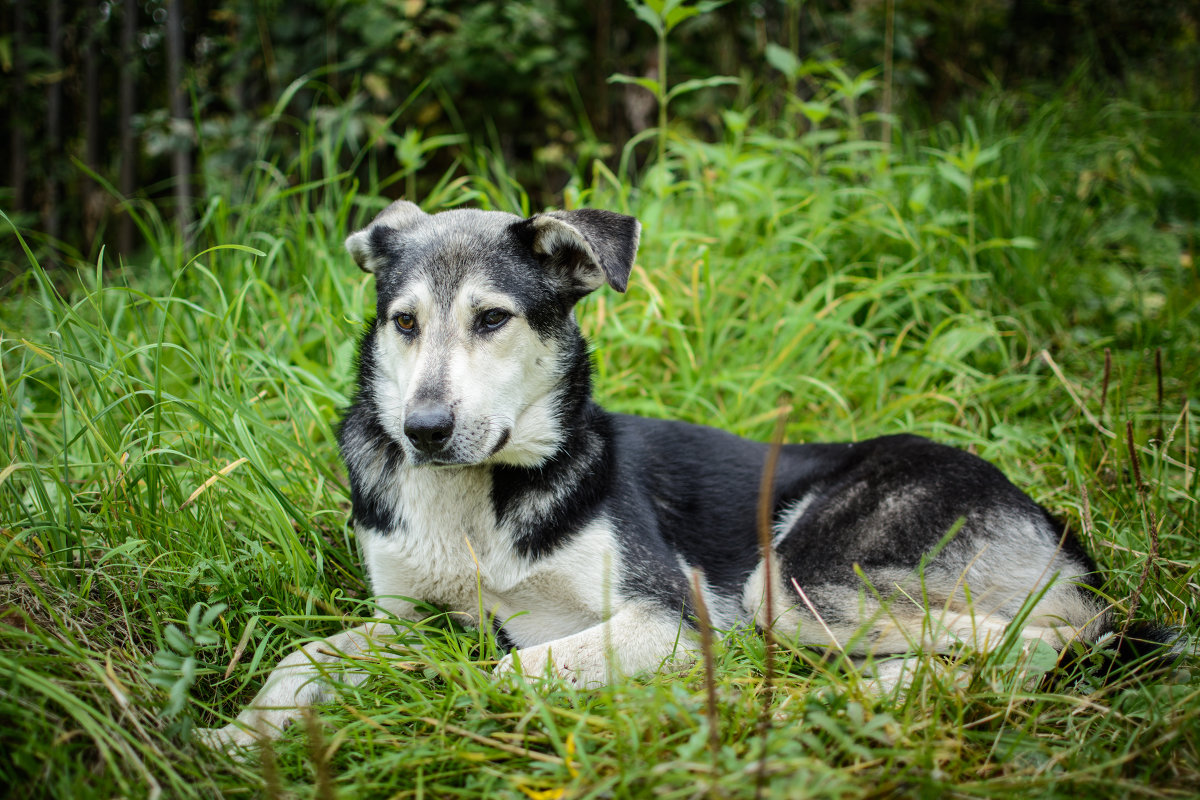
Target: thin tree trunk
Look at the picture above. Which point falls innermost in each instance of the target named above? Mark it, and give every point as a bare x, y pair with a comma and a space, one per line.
180, 122
242, 28
601, 68
125, 110
16, 145
889, 39
93, 203
53, 121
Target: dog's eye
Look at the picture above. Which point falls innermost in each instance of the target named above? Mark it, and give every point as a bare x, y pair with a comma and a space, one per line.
493, 319
407, 323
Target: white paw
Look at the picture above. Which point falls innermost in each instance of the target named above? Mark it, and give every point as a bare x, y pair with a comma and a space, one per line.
580, 669
231, 738
251, 728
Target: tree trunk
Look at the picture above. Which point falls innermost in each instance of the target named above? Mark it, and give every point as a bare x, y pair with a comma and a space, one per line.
53, 121
93, 195
181, 124
125, 124
602, 68
16, 134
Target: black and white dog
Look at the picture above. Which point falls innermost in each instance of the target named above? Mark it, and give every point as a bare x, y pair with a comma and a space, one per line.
481, 469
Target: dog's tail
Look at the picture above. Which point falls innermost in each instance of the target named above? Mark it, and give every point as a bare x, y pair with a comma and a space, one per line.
1147, 645
1138, 652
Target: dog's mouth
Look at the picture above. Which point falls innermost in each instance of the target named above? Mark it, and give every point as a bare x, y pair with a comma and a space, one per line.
504, 435
451, 456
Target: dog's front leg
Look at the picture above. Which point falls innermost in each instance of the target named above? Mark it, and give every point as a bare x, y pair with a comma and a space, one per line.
301, 679
638, 637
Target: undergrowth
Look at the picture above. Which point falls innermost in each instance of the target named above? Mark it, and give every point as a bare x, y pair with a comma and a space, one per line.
174, 514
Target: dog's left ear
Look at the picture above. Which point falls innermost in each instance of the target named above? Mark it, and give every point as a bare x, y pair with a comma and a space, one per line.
368, 245
589, 246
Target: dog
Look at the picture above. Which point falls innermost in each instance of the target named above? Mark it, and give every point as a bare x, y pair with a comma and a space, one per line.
484, 477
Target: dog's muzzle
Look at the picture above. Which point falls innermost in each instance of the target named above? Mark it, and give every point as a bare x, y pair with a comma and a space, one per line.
429, 428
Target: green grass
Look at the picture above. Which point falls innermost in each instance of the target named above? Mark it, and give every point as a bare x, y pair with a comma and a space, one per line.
169, 425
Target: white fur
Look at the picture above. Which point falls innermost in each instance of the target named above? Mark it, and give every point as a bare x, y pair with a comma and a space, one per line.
636, 637
724, 611
399, 214
452, 553
501, 382
956, 614
787, 519
554, 233
301, 680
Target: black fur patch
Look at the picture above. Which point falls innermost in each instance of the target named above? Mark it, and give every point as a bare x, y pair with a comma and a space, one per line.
362, 440
569, 488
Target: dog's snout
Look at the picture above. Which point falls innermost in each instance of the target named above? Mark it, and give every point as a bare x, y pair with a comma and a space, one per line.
429, 428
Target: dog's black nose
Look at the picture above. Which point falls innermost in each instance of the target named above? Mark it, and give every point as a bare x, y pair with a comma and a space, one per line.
429, 428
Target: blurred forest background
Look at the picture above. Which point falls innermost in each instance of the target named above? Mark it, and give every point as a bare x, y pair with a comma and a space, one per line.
123, 103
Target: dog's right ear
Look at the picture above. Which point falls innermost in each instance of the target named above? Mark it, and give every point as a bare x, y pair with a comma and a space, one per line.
366, 245
587, 247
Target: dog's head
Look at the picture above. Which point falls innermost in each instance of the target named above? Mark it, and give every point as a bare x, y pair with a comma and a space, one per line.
474, 331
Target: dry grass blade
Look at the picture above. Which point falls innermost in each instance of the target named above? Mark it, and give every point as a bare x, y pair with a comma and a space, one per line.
1135, 464
1083, 409
706, 649
228, 468
317, 753
512, 749
1151, 561
766, 502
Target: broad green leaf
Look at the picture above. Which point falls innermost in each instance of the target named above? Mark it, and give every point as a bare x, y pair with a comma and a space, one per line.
649, 84
700, 83
177, 640
988, 155
783, 60
955, 175
815, 112
918, 199
649, 13
678, 15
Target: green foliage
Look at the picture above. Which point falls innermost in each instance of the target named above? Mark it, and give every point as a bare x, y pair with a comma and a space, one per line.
663, 16
176, 662
525, 78
173, 513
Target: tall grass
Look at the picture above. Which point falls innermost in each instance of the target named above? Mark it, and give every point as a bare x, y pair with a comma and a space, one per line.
174, 513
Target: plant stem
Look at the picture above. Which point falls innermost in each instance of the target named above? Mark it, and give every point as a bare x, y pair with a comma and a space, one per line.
662, 98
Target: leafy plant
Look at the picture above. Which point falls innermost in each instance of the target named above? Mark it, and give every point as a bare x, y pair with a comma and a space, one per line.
663, 16
177, 660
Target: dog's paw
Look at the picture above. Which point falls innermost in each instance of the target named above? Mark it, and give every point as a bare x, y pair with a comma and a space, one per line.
250, 730
579, 669
523, 664
232, 739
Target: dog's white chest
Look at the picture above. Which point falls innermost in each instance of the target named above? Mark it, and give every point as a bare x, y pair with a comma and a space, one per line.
451, 551
447, 542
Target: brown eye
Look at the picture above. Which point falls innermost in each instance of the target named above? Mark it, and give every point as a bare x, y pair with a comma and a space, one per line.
407, 323
493, 319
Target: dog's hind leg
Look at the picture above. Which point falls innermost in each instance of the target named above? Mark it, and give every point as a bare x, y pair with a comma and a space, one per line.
303, 679
902, 613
